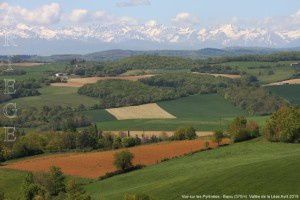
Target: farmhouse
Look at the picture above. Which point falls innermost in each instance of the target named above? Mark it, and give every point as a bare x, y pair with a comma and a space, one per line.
62, 76
296, 66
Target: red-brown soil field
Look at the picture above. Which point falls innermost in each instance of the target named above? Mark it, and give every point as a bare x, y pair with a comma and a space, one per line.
95, 164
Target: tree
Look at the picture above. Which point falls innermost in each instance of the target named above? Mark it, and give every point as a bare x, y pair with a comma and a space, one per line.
185, 133
76, 192
179, 134
218, 136
284, 125
128, 141
30, 189
123, 160
240, 129
58, 181
117, 143
190, 133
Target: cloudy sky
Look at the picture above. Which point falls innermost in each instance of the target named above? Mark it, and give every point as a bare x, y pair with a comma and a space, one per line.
171, 23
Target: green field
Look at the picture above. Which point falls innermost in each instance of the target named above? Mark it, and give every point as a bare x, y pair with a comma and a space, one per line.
37, 71
204, 112
289, 92
11, 182
63, 96
253, 167
281, 70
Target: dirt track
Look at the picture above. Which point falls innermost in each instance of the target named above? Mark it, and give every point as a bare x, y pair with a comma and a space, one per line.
232, 76
95, 164
289, 82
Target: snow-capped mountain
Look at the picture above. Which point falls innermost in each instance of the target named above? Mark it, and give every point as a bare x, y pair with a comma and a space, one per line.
149, 35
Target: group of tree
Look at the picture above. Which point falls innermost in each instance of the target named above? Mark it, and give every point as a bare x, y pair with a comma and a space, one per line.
24, 88
254, 99
116, 93
85, 140
54, 118
274, 57
241, 129
131, 63
187, 133
52, 186
284, 125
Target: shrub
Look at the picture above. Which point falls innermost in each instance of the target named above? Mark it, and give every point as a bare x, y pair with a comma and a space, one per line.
31, 144
218, 136
117, 143
240, 129
123, 160
185, 133
128, 142
76, 192
284, 125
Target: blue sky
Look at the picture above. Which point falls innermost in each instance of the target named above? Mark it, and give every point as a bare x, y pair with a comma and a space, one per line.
208, 11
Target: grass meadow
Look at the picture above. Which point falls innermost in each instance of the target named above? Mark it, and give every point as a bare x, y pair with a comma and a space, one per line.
63, 96
253, 167
289, 92
205, 112
266, 72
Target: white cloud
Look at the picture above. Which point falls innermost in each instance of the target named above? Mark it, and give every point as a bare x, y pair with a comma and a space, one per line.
130, 3
186, 19
79, 15
44, 15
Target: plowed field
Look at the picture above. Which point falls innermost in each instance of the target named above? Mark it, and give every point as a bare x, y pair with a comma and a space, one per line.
95, 164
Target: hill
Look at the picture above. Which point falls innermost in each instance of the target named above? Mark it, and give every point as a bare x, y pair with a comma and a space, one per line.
204, 112
289, 92
253, 167
116, 54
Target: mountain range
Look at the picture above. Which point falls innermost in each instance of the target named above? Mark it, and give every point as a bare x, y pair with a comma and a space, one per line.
25, 39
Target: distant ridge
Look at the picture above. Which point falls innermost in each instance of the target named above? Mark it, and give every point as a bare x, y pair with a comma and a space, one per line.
116, 54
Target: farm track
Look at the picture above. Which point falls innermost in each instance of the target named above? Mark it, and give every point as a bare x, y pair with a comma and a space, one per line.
288, 82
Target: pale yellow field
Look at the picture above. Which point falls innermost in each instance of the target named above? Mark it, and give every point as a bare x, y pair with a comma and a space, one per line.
157, 133
79, 82
291, 82
146, 111
232, 76
24, 64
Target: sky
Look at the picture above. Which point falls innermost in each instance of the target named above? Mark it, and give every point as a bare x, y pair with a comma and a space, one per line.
208, 12
163, 24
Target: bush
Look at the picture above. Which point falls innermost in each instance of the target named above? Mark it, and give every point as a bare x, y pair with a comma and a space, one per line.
123, 160
240, 129
128, 142
218, 136
118, 172
185, 133
31, 144
284, 125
